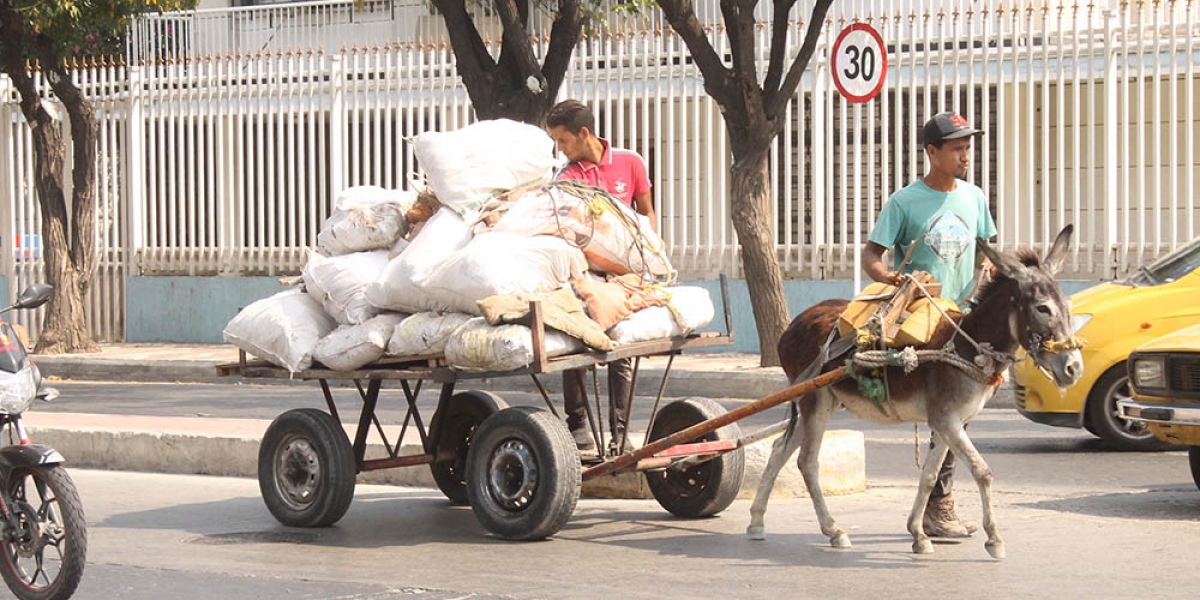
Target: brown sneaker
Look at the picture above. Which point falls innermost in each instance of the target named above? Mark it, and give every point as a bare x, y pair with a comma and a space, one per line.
941, 521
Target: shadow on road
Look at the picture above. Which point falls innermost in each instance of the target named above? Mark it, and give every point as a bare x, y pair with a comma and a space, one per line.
1165, 503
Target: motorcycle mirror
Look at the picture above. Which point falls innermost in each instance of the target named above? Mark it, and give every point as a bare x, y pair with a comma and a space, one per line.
34, 296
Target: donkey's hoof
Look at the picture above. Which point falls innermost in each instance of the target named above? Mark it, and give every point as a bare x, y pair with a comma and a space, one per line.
840, 540
756, 532
924, 546
996, 550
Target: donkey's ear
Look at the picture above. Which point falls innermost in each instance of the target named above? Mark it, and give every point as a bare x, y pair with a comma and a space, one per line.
1008, 266
1058, 252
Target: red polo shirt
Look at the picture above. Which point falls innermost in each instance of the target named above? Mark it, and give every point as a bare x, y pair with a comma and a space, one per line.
621, 172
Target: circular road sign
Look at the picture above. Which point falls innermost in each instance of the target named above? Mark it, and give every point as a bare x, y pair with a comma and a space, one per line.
859, 62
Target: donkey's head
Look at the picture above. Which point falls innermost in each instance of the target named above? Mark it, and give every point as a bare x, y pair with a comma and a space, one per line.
1042, 320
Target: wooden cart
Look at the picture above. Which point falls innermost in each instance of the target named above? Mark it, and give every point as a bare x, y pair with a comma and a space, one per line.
518, 467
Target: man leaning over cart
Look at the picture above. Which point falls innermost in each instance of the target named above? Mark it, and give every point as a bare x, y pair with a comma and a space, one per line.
595, 162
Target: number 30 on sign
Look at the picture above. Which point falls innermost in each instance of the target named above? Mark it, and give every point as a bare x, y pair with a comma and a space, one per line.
859, 62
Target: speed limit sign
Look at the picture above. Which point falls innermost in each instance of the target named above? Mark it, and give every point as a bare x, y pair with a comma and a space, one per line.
859, 62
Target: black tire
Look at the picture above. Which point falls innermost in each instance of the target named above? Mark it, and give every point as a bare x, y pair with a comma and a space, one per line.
306, 469
1103, 420
523, 474
52, 538
707, 488
1194, 462
454, 431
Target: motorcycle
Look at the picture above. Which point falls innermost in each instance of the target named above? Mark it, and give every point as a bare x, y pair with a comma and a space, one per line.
43, 534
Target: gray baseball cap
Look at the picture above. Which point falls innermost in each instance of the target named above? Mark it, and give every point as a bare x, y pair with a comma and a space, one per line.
947, 126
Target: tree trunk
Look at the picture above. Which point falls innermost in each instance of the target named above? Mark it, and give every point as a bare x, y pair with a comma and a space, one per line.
519, 105
65, 326
68, 268
751, 219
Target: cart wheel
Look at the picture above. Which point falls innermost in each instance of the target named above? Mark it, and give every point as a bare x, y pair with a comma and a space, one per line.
523, 474
454, 431
306, 469
709, 487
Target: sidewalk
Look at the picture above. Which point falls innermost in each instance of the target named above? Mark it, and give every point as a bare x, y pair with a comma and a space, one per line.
705, 374
724, 375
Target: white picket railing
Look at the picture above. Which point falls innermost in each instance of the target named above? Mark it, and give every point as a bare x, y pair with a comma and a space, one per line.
227, 162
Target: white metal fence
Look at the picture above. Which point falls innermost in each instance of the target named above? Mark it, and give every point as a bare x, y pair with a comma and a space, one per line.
227, 162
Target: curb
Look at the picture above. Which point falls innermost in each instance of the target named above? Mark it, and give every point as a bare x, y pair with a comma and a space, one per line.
682, 382
230, 447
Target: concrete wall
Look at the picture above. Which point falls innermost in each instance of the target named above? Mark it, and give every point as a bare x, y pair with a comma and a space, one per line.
196, 309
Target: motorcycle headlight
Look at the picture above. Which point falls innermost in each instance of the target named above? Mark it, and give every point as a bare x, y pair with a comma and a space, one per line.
17, 390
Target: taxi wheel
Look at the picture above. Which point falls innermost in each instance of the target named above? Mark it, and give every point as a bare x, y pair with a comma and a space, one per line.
1103, 419
1194, 461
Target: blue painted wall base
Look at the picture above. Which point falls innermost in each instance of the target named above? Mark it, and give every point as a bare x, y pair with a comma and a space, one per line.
196, 309
188, 309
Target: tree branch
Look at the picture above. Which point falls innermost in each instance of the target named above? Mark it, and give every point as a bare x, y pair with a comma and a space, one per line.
516, 50
564, 35
739, 26
813, 31
12, 40
718, 79
779, 29
475, 63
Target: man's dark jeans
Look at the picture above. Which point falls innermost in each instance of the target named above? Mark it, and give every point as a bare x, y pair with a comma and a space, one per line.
620, 388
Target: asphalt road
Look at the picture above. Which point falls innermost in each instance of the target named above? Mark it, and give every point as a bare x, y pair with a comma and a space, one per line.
1079, 521
1126, 534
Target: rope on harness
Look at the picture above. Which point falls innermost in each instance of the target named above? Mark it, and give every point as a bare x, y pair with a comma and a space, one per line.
1056, 346
909, 358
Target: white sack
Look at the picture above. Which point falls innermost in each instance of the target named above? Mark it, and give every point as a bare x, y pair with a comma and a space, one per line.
690, 308
618, 240
340, 283
395, 290
282, 329
365, 218
477, 346
496, 264
467, 166
351, 347
424, 333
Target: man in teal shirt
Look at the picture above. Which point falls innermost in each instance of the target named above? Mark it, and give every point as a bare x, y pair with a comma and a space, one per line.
941, 215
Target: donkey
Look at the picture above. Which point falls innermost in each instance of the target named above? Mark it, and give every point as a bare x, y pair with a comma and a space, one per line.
1023, 306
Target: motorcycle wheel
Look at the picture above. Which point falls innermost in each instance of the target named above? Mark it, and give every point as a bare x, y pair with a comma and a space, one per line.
44, 560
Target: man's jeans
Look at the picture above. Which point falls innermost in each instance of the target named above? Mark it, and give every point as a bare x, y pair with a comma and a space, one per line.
620, 387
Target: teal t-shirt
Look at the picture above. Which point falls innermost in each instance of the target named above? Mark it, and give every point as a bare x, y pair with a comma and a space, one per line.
950, 222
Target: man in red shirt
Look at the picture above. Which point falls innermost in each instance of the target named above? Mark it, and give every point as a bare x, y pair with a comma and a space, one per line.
623, 173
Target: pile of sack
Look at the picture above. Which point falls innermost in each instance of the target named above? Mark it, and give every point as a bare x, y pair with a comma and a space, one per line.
449, 269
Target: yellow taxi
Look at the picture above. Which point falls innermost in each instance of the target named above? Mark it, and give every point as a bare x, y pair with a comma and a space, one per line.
1115, 318
1165, 378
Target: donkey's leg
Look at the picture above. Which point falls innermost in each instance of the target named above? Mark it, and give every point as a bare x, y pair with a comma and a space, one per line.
962, 446
929, 475
815, 420
784, 446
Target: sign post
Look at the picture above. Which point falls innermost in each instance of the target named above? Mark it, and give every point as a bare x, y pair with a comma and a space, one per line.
859, 69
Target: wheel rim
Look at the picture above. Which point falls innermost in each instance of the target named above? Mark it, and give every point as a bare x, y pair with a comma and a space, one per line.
297, 472
513, 475
1130, 429
35, 554
689, 482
